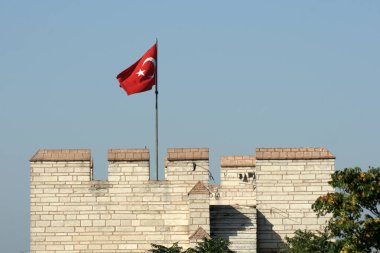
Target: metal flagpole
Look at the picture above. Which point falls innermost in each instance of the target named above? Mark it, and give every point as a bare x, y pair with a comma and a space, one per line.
156, 111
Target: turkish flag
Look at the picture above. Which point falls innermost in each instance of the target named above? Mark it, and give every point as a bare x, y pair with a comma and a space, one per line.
141, 76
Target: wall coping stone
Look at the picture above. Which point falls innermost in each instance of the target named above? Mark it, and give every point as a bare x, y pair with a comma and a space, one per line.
58, 155
293, 154
238, 161
181, 154
199, 188
178, 154
200, 233
128, 155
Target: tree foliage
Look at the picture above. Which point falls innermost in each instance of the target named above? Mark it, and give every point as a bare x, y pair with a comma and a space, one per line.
215, 245
162, 249
307, 241
355, 209
355, 223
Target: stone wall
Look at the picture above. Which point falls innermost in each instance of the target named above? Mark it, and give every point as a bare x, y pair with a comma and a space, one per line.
289, 180
260, 199
69, 212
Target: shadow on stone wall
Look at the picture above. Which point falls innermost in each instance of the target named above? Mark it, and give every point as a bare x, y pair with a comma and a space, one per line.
236, 224
268, 241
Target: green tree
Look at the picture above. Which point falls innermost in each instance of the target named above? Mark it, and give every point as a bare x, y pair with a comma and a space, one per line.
355, 223
305, 241
215, 245
354, 208
162, 249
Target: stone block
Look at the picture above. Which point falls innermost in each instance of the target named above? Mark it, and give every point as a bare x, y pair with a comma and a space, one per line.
60, 238
314, 188
55, 247
304, 206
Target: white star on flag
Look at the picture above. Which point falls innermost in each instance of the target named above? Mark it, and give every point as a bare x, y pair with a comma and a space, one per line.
140, 73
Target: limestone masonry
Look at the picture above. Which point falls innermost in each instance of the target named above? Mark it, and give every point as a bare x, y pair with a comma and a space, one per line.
260, 199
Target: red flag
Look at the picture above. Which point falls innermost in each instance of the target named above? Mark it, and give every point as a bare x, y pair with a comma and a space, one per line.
141, 76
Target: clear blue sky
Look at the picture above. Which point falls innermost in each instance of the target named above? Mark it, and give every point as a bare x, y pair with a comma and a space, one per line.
233, 76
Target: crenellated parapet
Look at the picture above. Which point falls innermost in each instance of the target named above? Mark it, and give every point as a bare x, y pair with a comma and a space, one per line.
187, 165
61, 165
126, 165
261, 198
237, 181
125, 213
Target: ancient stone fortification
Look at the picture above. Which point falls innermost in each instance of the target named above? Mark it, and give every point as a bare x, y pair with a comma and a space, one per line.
261, 199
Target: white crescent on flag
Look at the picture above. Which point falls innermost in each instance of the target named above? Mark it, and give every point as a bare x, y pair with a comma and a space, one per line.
151, 59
